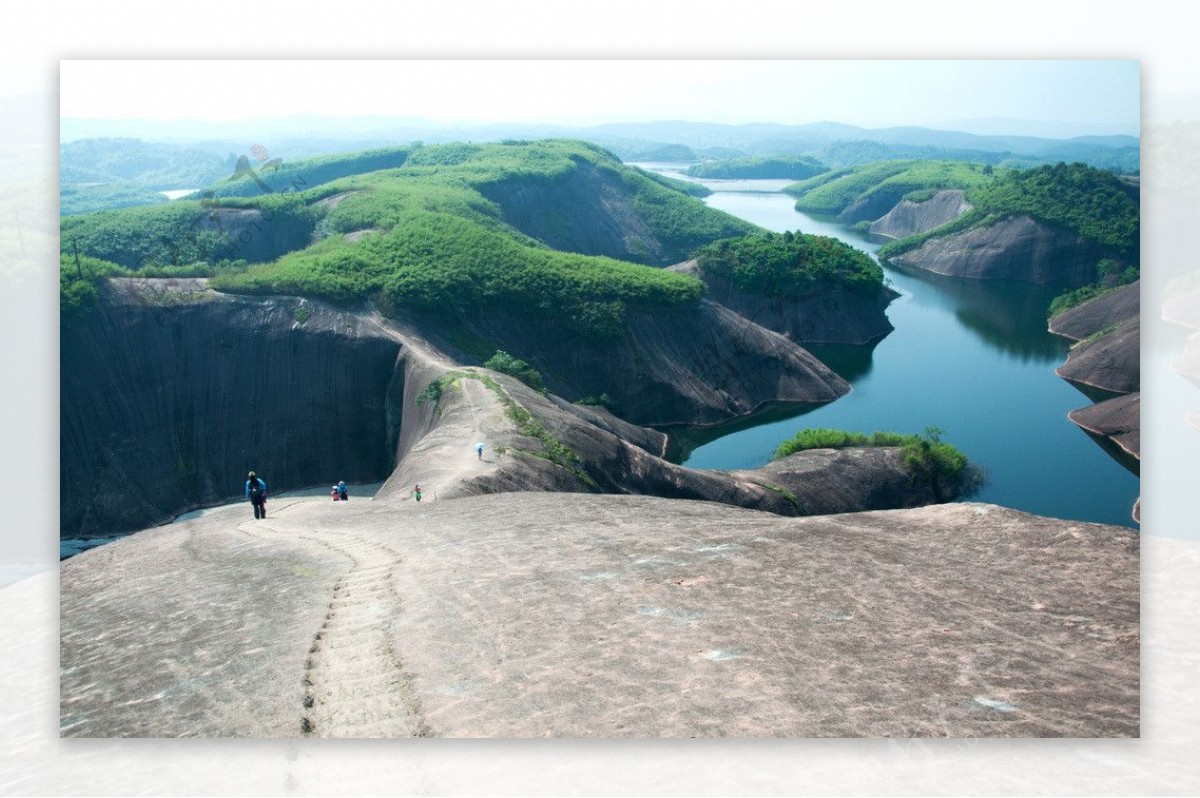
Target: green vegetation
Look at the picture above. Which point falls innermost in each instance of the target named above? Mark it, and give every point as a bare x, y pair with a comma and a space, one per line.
782, 167
140, 163
507, 364
602, 400
254, 179
181, 233
74, 199
440, 242
79, 281
833, 192
1091, 203
1109, 277
790, 264
791, 498
928, 458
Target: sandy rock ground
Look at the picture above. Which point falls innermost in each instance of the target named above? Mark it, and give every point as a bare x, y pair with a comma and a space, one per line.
536, 614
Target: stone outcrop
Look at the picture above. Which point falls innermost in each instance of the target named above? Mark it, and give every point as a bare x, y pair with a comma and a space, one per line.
172, 392
1107, 361
1110, 362
1015, 248
566, 448
910, 218
873, 204
701, 365
1118, 420
541, 614
829, 315
1088, 318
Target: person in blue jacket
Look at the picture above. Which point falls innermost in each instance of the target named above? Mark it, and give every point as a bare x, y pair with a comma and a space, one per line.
343, 491
256, 492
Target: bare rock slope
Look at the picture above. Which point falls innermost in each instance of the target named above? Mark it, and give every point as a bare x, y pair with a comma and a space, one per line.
1016, 248
909, 218
527, 615
830, 314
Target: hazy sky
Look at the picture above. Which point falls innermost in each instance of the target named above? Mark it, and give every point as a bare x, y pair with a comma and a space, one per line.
1077, 96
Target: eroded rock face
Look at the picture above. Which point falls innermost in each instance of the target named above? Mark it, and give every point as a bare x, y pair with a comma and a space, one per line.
909, 218
592, 212
171, 393
1111, 362
1118, 420
607, 455
829, 315
1089, 318
1108, 361
873, 205
1016, 248
699, 365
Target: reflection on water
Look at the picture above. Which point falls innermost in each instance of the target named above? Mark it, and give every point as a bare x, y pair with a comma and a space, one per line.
851, 362
1006, 314
972, 357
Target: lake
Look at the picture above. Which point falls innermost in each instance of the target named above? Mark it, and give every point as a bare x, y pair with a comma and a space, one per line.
971, 357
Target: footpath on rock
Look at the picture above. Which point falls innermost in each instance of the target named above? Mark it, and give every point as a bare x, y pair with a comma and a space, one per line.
541, 614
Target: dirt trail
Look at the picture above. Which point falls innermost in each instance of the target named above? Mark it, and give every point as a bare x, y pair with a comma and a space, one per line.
354, 680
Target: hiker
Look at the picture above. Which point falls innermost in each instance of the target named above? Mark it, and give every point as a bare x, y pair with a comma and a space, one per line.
479, 450
417, 493
256, 492
335, 494
343, 491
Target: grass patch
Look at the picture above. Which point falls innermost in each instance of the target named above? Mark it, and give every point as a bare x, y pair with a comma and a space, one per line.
791, 498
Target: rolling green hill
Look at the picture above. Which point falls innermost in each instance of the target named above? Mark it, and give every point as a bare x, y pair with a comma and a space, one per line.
887, 182
442, 231
1095, 204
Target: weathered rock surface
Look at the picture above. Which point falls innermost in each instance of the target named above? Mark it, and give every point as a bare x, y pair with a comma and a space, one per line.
830, 315
1118, 420
1107, 361
909, 218
172, 392
606, 457
530, 615
700, 365
873, 205
1110, 362
1089, 318
1016, 248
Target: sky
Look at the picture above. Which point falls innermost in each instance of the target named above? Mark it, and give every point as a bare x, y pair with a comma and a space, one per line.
1071, 97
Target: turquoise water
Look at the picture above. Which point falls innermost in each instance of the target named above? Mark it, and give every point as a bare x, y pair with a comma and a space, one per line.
971, 357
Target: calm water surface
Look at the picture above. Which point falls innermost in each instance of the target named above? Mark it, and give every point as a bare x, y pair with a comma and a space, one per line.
968, 356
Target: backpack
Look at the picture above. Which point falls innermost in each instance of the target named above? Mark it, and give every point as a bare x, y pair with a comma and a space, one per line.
256, 488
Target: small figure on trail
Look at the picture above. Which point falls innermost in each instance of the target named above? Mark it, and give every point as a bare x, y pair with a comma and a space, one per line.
343, 491
335, 494
417, 493
479, 450
256, 492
